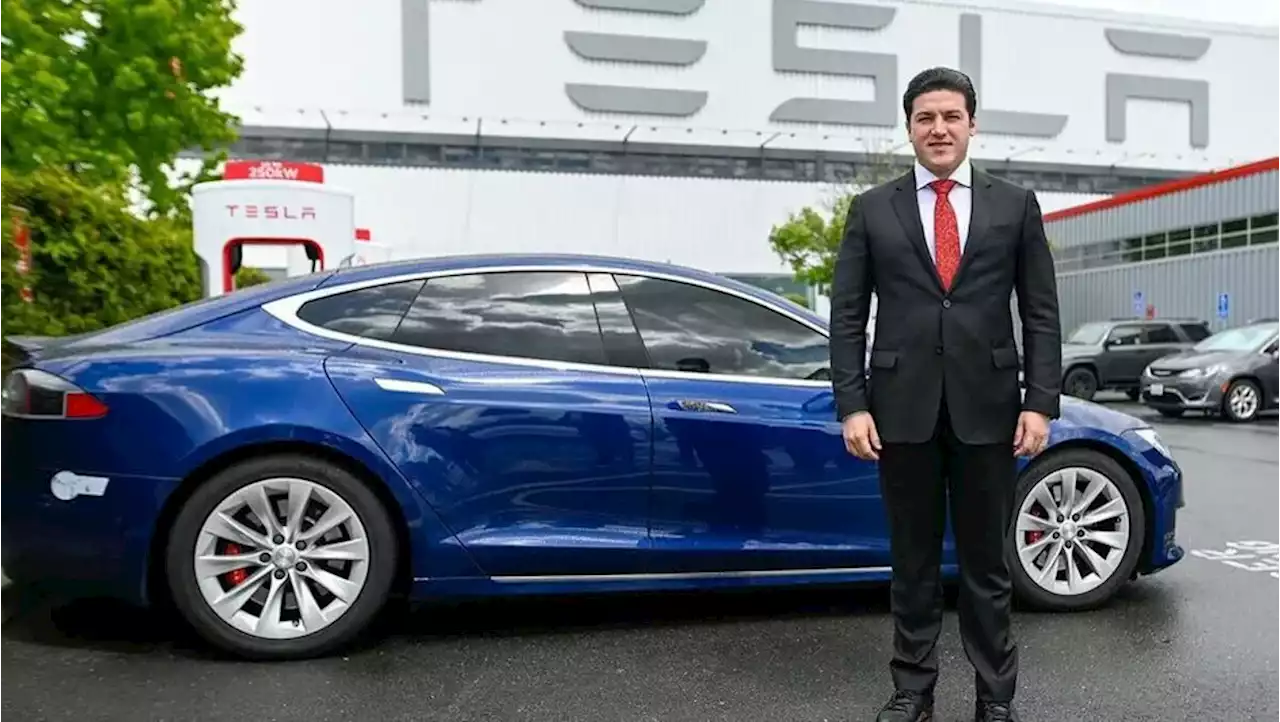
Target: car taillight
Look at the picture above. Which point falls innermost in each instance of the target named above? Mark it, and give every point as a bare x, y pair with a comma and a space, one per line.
36, 394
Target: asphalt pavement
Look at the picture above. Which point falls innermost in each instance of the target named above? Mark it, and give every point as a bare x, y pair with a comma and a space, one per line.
1199, 641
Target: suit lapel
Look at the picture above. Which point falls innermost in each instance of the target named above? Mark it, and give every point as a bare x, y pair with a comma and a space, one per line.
907, 209
979, 222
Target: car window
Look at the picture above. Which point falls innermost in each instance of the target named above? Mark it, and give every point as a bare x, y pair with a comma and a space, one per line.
1088, 334
1195, 331
691, 328
1241, 339
372, 312
1124, 335
546, 315
1161, 333
622, 343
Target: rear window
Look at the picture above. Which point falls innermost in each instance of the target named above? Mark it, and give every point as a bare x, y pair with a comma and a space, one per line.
373, 312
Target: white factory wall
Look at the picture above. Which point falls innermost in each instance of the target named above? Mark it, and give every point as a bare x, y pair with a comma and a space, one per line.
714, 224
724, 69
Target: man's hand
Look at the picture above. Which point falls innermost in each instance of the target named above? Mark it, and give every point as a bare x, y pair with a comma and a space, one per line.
860, 437
1031, 436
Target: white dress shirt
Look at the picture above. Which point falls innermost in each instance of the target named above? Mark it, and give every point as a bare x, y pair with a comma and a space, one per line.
961, 197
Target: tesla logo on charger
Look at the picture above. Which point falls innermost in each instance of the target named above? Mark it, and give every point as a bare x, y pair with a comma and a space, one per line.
271, 213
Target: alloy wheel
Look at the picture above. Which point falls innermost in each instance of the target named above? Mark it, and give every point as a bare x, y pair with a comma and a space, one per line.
281, 558
1243, 401
1072, 531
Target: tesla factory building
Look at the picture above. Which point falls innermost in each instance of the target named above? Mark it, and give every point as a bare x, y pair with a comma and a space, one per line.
684, 130
1201, 247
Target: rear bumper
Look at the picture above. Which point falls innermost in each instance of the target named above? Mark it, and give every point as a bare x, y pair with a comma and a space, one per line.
86, 546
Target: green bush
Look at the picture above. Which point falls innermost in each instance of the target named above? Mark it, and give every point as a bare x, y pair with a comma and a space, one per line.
250, 276
94, 263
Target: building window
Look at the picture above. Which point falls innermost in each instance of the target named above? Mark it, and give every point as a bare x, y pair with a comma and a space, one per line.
1234, 233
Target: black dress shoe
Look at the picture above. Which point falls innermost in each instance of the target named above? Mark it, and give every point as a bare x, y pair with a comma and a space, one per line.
907, 707
995, 712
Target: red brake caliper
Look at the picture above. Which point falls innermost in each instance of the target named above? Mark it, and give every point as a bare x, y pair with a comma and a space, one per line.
235, 577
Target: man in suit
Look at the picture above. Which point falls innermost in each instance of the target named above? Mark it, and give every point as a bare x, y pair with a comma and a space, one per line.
943, 247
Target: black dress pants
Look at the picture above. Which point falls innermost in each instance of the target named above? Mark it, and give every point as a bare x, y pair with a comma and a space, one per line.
916, 482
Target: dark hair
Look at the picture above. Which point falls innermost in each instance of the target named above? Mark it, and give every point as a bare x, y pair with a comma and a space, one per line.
927, 81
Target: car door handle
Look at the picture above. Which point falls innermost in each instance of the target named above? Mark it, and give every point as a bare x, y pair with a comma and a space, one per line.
409, 387
716, 407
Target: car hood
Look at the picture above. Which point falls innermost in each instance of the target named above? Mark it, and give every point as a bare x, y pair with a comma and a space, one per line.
1195, 359
1080, 413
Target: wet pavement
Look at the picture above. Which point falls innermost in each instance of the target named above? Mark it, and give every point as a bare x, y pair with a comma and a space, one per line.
1197, 642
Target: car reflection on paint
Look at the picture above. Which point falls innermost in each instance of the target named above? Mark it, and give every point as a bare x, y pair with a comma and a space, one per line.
497, 425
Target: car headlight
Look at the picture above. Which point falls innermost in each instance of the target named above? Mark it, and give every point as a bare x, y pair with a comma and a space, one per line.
1150, 436
1213, 370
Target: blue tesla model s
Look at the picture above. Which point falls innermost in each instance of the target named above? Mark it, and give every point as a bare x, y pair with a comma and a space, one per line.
280, 461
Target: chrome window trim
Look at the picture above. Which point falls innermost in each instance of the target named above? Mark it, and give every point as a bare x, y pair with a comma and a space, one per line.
286, 311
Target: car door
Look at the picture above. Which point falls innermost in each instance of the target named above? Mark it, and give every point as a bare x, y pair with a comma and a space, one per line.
493, 396
750, 472
1121, 360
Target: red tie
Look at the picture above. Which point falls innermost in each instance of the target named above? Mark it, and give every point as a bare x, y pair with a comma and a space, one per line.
946, 233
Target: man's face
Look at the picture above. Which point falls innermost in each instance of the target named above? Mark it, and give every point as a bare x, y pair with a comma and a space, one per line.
940, 127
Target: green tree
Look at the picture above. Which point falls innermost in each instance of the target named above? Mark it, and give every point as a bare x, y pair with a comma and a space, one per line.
114, 90
94, 263
810, 239
798, 299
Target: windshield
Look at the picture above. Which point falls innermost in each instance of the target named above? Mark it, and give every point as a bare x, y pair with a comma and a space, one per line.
1245, 338
1090, 334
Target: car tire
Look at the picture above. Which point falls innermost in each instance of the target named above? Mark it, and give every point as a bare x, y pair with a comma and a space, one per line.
328, 486
1088, 465
1081, 382
1242, 402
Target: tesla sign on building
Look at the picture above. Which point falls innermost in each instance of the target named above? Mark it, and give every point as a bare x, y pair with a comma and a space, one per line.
1102, 81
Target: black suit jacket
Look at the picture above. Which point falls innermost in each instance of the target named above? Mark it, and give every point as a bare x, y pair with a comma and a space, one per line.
930, 341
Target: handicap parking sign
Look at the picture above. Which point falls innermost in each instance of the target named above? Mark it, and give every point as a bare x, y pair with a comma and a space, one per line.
1224, 305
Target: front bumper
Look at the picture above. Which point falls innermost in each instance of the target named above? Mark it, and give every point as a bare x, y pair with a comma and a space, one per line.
1181, 394
1165, 484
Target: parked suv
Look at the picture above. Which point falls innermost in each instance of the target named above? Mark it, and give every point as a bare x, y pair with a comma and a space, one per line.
1234, 372
1113, 354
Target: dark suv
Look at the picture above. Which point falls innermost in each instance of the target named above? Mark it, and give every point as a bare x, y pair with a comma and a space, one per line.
1113, 354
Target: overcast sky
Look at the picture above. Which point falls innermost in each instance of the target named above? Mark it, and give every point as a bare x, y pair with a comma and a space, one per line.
1246, 12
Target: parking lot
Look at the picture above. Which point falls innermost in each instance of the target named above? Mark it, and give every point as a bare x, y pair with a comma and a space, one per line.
1196, 642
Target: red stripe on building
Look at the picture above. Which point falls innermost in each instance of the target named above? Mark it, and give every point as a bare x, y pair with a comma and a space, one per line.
1163, 189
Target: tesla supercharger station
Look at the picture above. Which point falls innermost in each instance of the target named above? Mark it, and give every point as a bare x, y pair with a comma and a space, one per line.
270, 203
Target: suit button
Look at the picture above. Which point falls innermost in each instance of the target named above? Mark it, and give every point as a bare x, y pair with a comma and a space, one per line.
937, 350
946, 303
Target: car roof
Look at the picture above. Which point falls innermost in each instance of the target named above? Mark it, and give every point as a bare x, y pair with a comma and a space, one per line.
1162, 319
